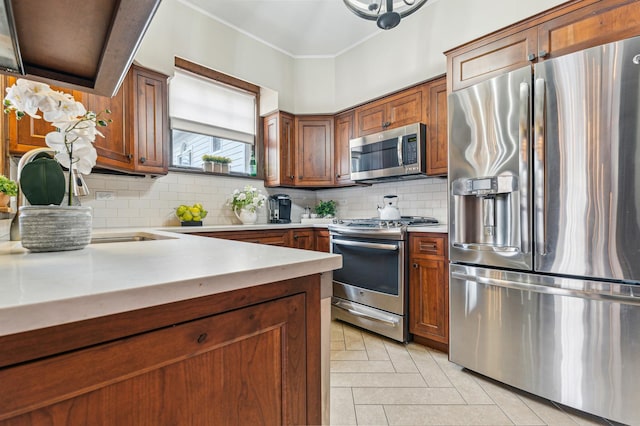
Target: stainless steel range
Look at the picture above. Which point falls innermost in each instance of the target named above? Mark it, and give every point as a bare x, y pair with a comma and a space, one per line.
370, 291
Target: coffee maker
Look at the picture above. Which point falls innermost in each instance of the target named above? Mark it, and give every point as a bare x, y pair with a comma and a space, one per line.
279, 208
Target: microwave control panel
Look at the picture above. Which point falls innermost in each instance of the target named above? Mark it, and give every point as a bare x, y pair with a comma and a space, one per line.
410, 151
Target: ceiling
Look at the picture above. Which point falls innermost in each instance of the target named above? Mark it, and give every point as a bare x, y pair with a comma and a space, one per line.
299, 28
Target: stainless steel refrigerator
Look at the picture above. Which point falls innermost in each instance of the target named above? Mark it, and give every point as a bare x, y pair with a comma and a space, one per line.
544, 175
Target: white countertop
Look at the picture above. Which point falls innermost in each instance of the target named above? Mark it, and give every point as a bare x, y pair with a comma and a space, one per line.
440, 228
46, 289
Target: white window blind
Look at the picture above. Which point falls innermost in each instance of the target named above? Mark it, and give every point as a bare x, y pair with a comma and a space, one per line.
200, 105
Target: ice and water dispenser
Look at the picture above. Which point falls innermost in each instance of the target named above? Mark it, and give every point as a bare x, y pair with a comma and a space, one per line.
487, 213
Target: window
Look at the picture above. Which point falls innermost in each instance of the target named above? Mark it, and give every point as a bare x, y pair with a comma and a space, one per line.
210, 116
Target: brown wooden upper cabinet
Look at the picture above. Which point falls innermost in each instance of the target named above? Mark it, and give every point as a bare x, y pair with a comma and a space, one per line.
437, 127
314, 148
390, 112
136, 141
279, 148
570, 27
342, 156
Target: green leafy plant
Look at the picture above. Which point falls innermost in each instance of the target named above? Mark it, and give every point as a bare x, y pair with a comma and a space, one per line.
8, 186
216, 159
326, 208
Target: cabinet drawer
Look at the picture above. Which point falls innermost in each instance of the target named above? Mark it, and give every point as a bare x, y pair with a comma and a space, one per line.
427, 246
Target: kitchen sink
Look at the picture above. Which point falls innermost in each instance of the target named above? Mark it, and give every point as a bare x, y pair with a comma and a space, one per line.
127, 237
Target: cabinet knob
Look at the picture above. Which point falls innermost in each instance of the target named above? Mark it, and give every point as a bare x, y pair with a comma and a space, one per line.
543, 53
291, 177
337, 175
531, 56
143, 160
415, 265
295, 237
386, 124
129, 157
300, 177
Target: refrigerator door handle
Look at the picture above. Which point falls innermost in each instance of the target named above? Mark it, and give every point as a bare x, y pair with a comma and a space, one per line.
524, 132
557, 291
538, 164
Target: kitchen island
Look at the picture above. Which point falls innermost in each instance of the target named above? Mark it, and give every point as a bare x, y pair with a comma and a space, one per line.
171, 329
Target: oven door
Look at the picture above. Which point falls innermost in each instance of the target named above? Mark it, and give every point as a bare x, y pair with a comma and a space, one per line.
372, 272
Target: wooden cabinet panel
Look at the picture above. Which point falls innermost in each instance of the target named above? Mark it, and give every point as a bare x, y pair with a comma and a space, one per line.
429, 289
279, 145
114, 150
314, 147
276, 237
29, 133
322, 240
390, 112
569, 27
509, 53
590, 26
302, 239
342, 155
252, 361
151, 123
137, 139
437, 128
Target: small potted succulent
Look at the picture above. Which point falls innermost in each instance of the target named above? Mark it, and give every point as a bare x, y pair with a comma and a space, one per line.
215, 163
8, 189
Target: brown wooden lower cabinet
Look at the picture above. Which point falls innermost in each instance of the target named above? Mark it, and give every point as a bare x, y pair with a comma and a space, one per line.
255, 363
302, 238
429, 290
322, 240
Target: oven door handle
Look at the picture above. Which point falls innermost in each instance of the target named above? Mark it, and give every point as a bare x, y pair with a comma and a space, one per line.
376, 246
391, 322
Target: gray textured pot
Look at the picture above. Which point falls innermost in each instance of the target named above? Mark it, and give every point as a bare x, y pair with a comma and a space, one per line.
55, 228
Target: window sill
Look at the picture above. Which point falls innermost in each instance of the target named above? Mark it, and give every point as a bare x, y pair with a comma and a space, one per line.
199, 171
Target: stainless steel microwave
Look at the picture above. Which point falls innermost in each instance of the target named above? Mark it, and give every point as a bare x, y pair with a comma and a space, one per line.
392, 154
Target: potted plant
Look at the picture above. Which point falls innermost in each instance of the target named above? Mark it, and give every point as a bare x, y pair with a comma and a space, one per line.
215, 163
326, 208
8, 189
245, 203
45, 225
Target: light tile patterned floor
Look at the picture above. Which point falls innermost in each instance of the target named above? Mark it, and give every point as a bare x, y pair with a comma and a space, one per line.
376, 381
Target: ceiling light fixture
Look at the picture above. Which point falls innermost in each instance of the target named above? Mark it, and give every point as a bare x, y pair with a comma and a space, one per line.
386, 13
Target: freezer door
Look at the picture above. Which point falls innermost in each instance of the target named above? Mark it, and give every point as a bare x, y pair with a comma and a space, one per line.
586, 156
489, 167
568, 340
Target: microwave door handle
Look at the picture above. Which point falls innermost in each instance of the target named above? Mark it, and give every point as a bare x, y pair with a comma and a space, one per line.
400, 162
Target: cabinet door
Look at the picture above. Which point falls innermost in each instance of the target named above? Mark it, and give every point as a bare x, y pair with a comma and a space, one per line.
114, 149
271, 150
287, 149
322, 240
151, 124
246, 366
314, 145
404, 108
302, 239
474, 64
29, 133
280, 237
342, 159
599, 23
279, 140
371, 118
429, 300
437, 128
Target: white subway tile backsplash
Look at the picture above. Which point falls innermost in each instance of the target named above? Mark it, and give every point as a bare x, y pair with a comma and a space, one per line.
150, 201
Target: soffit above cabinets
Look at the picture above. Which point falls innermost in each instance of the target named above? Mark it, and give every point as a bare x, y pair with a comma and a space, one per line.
85, 45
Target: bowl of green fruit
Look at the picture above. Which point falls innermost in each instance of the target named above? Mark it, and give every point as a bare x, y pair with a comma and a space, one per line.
191, 215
